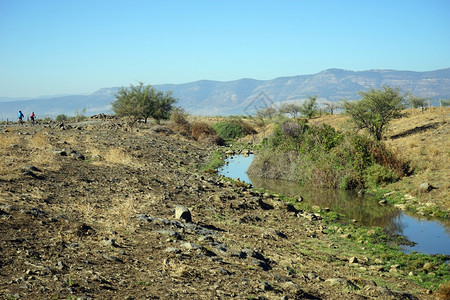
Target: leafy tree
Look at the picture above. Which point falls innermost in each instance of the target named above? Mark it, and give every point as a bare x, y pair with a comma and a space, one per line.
290, 108
267, 112
80, 115
309, 107
143, 101
376, 109
332, 106
61, 118
417, 102
444, 102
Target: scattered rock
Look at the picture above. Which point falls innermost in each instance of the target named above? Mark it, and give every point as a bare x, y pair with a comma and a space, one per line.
382, 202
169, 233
353, 260
182, 213
112, 258
344, 282
425, 187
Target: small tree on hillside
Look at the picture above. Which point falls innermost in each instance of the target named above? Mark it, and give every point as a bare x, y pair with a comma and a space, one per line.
443, 102
417, 102
267, 112
290, 108
376, 109
309, 107
143, 101
331, 106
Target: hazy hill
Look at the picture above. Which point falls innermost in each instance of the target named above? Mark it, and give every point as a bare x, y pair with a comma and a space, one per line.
244, 96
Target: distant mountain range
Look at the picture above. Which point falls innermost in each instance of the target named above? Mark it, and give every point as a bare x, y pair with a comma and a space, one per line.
245, 96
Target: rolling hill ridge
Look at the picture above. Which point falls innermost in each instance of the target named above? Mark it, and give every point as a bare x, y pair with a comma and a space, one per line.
207, 97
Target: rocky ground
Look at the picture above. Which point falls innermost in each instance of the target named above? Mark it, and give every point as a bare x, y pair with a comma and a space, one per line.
101, 211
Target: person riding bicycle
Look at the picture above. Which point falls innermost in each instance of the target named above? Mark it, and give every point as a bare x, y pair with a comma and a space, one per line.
32, 117
20, 116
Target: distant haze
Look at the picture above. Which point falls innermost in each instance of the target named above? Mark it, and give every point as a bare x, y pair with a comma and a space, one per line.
244, 96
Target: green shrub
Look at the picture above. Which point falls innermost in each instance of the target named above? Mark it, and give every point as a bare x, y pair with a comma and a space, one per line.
232, 129
61, 118
376, 175
318, 155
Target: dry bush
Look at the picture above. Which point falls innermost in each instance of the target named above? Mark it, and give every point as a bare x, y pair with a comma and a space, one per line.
412, 144
201, 130
179, 122
183, 129
8, 139
249, 129
179, 117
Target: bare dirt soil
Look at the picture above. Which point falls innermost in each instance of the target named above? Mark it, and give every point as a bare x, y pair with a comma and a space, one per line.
90, 212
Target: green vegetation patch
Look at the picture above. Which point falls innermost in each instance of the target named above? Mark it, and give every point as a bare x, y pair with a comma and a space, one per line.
318, 155
233, 129
215, 162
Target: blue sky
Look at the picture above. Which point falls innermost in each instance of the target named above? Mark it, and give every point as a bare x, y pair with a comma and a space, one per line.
70, 47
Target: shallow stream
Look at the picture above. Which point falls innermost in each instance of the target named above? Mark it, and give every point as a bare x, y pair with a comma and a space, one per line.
430, 236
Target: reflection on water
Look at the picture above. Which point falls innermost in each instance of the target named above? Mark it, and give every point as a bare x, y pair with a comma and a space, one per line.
363, 208
432, 237
430, 234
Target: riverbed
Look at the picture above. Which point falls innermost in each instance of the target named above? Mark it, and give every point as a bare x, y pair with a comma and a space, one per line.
429, 236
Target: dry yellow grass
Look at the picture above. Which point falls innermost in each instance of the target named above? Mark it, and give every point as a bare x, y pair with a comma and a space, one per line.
40, 141
18, 151
118, 156
116, 216
10, 158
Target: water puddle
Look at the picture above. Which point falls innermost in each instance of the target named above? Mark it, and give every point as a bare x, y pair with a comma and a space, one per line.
430, 236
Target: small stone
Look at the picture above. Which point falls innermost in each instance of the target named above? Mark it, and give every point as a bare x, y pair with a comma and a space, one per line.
191, 246
109, 242
424, 187
376, 268
427, 267
182, 213
173, 250
111, 258
353, 260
